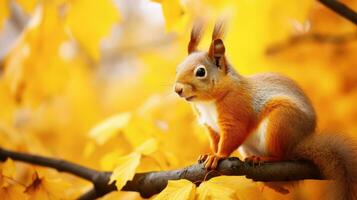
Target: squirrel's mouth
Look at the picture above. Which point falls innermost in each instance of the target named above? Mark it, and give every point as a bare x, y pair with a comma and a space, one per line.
190, 98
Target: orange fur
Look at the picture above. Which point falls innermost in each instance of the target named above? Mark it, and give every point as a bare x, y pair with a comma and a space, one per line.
196, 35
214, 139
229, 103
282, 134
335, 156
268, 115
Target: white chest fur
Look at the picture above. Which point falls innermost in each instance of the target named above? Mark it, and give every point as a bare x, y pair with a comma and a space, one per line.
255, 144
208, 114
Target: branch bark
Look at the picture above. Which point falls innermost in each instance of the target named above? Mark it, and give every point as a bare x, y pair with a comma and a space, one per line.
341, 9
150, 183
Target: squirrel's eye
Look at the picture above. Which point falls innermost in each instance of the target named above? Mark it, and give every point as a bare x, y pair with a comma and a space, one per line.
200, 72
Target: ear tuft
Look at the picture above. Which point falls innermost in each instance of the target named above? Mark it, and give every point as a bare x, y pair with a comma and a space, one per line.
196, 35
219, 29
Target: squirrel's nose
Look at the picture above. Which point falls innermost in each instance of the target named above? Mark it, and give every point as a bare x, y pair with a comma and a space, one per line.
178, 89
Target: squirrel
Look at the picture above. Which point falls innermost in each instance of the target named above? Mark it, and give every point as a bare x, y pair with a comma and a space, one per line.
267, 116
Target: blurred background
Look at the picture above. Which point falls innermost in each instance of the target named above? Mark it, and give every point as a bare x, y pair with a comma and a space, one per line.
90, 81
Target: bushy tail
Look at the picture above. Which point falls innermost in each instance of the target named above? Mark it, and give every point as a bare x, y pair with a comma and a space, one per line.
336, 156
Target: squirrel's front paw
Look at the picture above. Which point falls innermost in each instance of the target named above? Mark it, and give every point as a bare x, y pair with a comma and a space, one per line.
211, 161
202, 158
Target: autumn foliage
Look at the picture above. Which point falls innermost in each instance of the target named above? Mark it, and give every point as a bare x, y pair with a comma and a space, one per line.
91, 82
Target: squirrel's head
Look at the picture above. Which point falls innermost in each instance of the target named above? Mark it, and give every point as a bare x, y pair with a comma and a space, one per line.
200, 74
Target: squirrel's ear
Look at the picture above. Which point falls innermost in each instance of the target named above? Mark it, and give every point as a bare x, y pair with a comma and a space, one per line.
196, 34
217, 49
216, 52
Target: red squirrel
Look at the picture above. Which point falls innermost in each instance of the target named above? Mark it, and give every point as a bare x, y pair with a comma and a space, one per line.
267, 116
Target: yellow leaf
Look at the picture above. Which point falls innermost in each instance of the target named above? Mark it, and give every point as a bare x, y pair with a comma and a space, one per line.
8, 168
27, 5
178, 190
125, 170
173, 13
148, 147
215, 191
4, 12
90, 21
229, 188
47, 188
109, 161
12, 192
109, 127
89, 148
7, 172
25, 73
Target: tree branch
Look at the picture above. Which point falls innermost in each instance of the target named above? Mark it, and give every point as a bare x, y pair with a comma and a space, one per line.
341, 9
150, 183
60, 165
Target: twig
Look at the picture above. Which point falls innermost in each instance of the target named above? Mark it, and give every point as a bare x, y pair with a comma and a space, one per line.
312, 37
60, 165
341, 9
150, 183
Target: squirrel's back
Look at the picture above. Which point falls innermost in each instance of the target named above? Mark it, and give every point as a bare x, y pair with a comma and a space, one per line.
267, 86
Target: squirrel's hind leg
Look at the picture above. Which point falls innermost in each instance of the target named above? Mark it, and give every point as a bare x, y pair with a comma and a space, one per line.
287, 126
